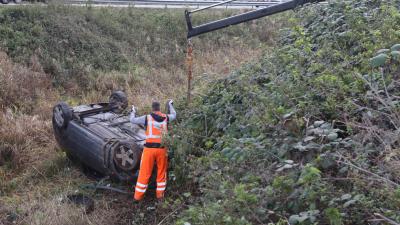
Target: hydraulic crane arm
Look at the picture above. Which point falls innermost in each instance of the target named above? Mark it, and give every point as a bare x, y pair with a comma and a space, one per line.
241, 18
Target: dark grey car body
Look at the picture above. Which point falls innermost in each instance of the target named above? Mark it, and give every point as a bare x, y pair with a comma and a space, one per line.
100, 137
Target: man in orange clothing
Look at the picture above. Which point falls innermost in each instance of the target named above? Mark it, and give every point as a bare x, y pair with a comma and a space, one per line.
156, 126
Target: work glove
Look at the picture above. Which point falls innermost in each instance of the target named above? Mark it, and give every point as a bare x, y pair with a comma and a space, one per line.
133, 109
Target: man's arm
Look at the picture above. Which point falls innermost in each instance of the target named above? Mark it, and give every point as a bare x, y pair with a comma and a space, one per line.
141, 120
172, 115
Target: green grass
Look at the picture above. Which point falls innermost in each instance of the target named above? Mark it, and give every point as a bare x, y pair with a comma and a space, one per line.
240, 152
75, 42
79, 55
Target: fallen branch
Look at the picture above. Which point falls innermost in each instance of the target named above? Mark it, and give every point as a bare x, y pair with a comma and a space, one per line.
369, 172
170, 214
390, 221
102, 187
347, 178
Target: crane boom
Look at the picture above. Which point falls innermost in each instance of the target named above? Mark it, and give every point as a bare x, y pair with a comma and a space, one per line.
241, 18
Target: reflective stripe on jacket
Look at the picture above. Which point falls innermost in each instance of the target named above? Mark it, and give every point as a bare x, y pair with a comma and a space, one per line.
155, 129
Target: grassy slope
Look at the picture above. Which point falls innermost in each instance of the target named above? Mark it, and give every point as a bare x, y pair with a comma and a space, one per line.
79, 55
232, 141
250, 145
77, 46
71, 42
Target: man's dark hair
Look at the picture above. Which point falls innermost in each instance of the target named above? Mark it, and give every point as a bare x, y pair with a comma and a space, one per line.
155, 106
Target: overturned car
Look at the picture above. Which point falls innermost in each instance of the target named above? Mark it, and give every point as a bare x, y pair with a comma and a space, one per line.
100, 136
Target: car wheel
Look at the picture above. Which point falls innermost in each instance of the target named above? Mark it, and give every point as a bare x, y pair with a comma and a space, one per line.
62, 114
4, 1
17, 1
127, 156
123, 172
118, 100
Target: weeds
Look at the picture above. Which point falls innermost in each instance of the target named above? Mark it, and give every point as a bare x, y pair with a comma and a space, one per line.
80, 55
72, 43
22, 88
268, 120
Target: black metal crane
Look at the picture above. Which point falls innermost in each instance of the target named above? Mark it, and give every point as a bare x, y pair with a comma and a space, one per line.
241, 18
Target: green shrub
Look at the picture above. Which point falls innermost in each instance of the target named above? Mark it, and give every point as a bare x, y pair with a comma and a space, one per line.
333, 216
259, 122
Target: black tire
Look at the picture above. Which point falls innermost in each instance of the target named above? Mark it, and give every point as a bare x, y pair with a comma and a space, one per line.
62, 114
127, 151
5, 1
119, 100
124, 173
17, 1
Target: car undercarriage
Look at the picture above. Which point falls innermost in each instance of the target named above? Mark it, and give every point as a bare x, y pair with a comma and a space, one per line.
101, 137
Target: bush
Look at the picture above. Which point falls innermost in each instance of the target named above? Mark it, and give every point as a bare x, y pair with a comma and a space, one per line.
268, 120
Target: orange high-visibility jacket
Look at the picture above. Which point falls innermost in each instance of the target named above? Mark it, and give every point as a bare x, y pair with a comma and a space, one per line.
155, 130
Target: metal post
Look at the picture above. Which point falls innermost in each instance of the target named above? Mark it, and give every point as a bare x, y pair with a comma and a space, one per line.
189, 61
241, 18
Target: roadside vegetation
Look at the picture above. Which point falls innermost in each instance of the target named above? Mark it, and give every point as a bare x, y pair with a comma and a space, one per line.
308, 134
80, 44
80, 55
295, 118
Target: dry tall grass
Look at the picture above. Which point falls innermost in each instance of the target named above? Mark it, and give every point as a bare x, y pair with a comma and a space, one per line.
145, 85
26, 139
23, 88
23, 138
34, 176
26, 97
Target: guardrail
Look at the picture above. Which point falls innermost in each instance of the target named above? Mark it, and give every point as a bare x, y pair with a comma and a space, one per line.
175, 3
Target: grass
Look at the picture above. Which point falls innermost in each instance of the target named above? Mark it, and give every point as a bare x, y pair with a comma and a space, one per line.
73, 43
37, 175
240, 151
80, 55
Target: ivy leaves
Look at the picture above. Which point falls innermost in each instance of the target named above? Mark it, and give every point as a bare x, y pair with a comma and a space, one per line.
385, 55
379, 60
278, 120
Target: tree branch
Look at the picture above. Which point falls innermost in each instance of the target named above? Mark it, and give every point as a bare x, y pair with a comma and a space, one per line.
390, 221
370, 173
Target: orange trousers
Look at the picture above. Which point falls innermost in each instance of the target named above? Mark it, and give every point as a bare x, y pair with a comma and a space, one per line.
149, 156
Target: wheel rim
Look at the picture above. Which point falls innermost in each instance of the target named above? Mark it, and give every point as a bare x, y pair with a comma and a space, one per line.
124, 158
118, 102
58, 116
114, 101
